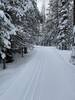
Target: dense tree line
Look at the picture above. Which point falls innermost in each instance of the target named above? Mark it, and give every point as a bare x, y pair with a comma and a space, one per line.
59, 24
19, 24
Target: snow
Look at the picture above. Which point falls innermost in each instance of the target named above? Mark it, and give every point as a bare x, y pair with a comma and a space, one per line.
1, 13
21, 11
65, 21
74, 29
7, 43
46, 75
7, 23
73, 51
3, 55
60, 36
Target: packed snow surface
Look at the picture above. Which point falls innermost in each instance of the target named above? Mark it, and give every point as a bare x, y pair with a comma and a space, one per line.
47, 75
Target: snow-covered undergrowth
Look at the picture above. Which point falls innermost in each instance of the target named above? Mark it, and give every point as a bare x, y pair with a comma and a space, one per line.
13, 69
65, 55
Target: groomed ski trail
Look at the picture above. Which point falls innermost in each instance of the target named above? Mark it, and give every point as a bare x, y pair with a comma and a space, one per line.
45, 77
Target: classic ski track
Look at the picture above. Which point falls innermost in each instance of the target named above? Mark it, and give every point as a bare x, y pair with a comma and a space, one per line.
19, 75
10, 83
33, 84
45, 77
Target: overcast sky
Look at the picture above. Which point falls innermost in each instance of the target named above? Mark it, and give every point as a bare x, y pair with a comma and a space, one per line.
40, 2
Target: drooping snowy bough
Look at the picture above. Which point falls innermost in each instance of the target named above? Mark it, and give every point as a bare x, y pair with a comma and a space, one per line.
19, 21
6, 30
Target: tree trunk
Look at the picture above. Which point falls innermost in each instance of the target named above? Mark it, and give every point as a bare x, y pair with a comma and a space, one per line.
74, 23
25, 50
22, 52
4, 64
73, 46
74, 13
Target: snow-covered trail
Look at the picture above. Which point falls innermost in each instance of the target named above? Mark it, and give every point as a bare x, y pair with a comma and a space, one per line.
57, 79
45, 77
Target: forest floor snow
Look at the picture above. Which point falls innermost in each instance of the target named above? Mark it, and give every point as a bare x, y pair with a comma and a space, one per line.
44, 74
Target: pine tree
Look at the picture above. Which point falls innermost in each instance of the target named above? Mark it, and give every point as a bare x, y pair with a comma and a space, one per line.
26, 19
59, 23
23, 18
52, 22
